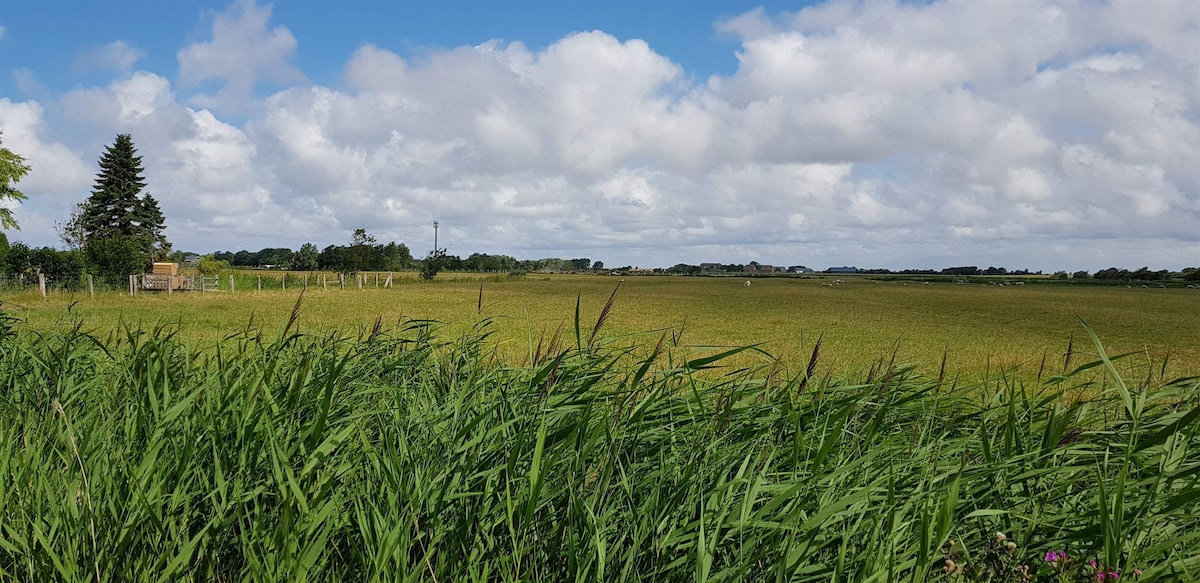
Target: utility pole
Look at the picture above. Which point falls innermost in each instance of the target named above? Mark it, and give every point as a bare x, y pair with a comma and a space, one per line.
435, 228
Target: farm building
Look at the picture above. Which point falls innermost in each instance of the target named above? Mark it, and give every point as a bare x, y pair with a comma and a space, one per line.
842, 269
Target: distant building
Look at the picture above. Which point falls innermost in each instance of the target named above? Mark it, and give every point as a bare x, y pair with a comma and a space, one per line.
800, 269
842, 270
710, 267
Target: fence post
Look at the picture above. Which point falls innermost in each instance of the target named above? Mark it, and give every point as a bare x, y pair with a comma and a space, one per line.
376, 281
283, 282
342, 280
231, 283
170, 284
260, 283
324, 282
91, 287
131, 286
42, 283
388, 283
360, 278
306, 281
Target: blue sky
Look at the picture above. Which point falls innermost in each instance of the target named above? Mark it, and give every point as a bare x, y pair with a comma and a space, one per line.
1043, 135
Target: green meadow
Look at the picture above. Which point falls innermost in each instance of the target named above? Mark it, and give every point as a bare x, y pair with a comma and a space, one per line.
979, 330
549, 429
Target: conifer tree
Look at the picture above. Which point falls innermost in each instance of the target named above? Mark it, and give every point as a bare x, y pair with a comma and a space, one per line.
118, 217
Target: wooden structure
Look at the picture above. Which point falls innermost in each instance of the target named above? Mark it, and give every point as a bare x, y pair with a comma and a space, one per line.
165, 277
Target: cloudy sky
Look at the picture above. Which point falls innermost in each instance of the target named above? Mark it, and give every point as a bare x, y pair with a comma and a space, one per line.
1024, 134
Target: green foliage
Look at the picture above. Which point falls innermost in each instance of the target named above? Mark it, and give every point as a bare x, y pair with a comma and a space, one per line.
12, 169
17, 259
432, 264
117, 210
1081, 275
313, 457
115, 259
358, 255
306, 258
207, 265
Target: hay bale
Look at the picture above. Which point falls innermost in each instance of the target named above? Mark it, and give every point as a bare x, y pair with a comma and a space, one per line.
165, 269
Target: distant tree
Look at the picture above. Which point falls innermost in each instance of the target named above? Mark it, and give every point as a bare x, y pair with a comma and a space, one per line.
396, 256
581, 264
965, 270
332, 258
12, 169
357, 256
432, 264
1191, 274
598, 265
243, 258
117, 210
1081, 275
683, 269
306, 258
71, 231
209, 265
1059, 275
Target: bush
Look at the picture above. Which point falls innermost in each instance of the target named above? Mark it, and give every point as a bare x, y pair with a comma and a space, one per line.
114, 260
209, 266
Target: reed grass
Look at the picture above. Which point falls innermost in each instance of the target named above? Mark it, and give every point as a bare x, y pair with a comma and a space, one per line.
400, 453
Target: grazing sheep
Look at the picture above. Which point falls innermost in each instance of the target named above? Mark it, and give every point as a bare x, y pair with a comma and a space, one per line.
747, 283
1191, 287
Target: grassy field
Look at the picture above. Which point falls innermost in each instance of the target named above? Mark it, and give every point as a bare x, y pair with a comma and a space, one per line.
979, 329
127, 454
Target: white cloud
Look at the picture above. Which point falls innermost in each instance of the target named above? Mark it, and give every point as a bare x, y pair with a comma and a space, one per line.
57, 171
115, 56
870, 133
241, 53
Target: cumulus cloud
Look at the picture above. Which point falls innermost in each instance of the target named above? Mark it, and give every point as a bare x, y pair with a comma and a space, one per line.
241, 53
877, 133
115, 56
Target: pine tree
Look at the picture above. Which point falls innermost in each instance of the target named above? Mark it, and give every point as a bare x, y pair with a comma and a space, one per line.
117, 211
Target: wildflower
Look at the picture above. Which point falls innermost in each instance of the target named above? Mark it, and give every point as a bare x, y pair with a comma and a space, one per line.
948, 567
1055, 556
1000, 537
1011, 546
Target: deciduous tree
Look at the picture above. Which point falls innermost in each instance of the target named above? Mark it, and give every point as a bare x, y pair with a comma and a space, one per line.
12, 169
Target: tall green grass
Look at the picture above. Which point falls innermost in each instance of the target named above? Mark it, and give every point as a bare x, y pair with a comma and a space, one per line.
397, 454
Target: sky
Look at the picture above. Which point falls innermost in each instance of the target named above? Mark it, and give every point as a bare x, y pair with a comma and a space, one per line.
1025, 134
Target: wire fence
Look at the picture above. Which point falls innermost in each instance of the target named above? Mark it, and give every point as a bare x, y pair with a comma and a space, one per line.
169, 284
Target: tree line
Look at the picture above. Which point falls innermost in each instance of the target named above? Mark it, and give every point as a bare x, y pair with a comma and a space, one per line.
119, 230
